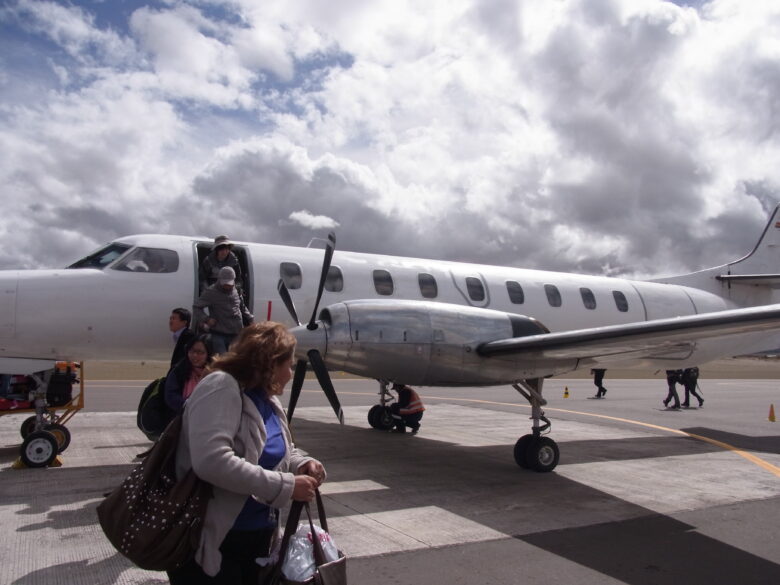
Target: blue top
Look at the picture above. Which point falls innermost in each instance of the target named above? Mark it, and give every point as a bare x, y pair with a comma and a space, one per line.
254, 515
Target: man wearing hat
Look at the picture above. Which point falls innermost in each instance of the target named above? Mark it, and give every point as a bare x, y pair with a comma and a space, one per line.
227, 313
221, 255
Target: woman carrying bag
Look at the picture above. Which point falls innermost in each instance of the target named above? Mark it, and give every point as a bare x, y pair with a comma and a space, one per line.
235, 437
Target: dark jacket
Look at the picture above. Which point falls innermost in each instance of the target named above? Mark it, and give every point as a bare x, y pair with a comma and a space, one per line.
180, 349
174, 384
227, 308
210, 267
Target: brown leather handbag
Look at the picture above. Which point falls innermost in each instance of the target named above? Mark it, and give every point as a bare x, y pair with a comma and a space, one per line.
152, 518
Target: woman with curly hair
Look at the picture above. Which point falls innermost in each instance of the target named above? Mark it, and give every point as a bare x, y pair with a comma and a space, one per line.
235, 436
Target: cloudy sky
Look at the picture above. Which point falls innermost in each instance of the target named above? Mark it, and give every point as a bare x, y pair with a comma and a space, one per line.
623, 137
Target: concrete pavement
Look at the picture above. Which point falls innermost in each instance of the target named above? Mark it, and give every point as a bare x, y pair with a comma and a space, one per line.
637, 498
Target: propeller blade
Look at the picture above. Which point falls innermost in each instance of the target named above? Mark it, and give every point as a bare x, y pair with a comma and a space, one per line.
329, 248
287, 300
323, 377
295, 392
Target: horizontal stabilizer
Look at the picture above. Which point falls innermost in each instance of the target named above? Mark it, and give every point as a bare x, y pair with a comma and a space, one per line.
761, 279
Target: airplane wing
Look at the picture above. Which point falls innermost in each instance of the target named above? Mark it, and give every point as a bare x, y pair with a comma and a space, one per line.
641, 339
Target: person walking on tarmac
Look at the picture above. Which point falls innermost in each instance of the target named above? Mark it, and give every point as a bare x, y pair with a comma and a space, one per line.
689, 379
598, 378
408, 410
672, 377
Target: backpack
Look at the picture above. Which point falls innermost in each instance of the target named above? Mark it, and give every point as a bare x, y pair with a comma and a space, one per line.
153, 413
152, 518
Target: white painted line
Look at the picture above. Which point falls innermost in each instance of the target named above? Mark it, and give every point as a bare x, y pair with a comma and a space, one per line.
677, 483
408, 529
345, 487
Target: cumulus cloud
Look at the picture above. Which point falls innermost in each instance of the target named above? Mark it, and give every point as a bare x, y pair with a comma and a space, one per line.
316, 222
603, 136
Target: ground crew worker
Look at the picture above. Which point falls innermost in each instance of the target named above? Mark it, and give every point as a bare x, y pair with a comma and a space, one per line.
408, 410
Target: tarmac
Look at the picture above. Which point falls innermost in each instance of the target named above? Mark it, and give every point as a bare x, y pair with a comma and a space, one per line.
642, 495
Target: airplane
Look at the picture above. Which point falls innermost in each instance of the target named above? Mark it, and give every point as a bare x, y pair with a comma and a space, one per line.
396, 319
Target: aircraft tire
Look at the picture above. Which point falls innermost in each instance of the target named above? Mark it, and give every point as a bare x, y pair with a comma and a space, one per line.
28, 426
542, 454
521, 451
380, 418
39, 449
372, 414
61, 434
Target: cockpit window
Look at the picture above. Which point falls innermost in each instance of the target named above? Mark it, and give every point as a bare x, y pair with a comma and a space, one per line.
156, 260
103, 257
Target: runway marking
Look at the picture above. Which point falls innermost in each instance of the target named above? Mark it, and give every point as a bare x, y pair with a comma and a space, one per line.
330, 488
749, 456
379, 533
672, 483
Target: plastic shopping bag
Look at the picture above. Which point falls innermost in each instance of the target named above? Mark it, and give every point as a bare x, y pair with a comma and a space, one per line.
298, 563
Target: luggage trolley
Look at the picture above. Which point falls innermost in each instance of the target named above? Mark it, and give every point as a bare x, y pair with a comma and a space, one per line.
52, 401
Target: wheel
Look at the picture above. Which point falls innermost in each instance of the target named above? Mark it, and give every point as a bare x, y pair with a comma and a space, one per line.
521, 450
28, 426
380, 417
542, 454
39, 449
384, 419
61, 434
373, 413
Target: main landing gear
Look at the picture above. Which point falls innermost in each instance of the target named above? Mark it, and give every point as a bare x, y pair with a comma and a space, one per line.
380, 417
535, 451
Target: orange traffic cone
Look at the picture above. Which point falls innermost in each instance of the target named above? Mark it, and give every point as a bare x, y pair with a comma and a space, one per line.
565, 391
771, 413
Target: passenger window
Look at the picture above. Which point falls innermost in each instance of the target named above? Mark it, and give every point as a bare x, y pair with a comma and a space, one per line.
620, 301
475, 288
290, 273
428, 287
334, 281
103, 257
553, 295
383, 282
156, 260
587, 298
515, 291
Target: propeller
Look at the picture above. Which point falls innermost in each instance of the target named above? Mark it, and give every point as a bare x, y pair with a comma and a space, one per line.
311, 339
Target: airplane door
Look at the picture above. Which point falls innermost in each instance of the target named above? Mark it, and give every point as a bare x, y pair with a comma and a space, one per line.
472, 287
8, 309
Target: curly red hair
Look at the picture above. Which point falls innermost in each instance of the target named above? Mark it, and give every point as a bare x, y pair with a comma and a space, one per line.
254, 355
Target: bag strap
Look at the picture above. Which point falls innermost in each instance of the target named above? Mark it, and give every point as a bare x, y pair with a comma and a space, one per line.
319, 554
321, 511
291, 526
289, 529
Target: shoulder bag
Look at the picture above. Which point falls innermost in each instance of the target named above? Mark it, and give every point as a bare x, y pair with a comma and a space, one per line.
152, 518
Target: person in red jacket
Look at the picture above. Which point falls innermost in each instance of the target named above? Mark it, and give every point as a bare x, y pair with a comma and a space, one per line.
408, 410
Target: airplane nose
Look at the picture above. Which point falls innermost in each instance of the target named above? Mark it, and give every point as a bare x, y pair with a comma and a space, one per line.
309, 339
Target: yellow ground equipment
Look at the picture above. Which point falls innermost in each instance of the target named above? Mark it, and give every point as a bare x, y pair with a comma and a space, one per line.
50, 398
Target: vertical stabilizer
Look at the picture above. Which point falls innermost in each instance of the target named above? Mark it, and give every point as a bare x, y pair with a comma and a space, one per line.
764, 260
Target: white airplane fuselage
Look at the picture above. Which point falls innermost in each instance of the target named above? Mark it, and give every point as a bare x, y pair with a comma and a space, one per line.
88, 313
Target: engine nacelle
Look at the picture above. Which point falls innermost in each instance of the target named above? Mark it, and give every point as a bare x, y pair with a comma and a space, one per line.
422, 342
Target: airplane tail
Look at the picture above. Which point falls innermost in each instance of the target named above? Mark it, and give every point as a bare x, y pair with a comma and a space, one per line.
763, 263
750, 281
